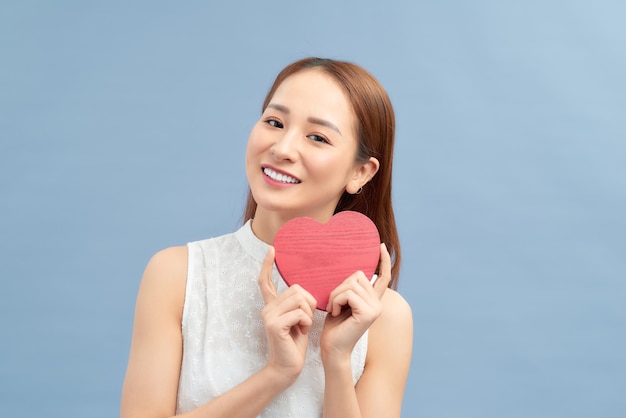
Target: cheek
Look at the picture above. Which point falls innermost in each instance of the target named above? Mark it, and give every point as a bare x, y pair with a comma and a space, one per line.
251, 151
251, 146
331, 166
255, 142
323, 165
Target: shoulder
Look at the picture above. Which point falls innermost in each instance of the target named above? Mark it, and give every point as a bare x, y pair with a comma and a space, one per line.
167, 265
389, 349
164, 279
156, 348
396, 316
392, 332
395, 307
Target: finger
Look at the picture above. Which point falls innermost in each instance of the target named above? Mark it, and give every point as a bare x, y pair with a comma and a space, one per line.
341, 300
268, 291
357, 293
288, 320
307, 297
358, 284
384, 271
309, 301
305, 323
295, 297
356, 279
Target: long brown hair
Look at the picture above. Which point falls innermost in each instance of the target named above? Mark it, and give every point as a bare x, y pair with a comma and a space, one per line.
375, 131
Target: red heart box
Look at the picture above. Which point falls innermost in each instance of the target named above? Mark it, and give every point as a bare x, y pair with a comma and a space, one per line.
319, 256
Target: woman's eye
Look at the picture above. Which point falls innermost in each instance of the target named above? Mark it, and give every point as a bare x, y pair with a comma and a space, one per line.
274, 123
319, 138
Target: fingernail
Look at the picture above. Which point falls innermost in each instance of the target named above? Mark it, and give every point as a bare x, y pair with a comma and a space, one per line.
374, 278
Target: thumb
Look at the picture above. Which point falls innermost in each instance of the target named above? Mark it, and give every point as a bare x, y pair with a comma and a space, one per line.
384, 272
268, 291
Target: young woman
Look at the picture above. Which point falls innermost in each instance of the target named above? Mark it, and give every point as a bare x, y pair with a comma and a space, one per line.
217, 333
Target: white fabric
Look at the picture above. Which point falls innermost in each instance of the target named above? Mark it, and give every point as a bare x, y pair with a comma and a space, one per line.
223, 337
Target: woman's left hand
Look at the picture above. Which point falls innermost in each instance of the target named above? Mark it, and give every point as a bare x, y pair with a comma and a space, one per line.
352, 307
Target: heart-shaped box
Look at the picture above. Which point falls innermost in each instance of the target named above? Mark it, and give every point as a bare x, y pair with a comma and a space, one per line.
319, 256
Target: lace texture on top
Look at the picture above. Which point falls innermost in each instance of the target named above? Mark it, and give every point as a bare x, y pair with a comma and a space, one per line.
223, 337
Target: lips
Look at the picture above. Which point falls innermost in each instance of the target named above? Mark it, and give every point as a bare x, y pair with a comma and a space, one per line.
279, 177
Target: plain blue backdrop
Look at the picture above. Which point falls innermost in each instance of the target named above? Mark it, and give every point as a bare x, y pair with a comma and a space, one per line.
123, 127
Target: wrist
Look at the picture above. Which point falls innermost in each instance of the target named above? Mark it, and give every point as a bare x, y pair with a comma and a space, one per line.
278, 378
336, 360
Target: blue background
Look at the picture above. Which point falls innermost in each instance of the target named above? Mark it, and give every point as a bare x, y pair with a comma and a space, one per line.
123, 128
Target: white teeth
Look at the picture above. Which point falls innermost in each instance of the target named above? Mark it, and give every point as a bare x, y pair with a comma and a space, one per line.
283, 178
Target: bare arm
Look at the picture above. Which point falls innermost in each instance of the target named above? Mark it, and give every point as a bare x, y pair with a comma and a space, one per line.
151, 384
380, 389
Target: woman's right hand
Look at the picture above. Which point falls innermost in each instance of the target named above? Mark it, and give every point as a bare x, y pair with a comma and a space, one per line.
287, 318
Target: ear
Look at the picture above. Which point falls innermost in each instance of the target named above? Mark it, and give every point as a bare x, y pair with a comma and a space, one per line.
363, 173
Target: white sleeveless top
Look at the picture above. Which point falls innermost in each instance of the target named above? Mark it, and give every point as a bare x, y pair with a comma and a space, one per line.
223, 337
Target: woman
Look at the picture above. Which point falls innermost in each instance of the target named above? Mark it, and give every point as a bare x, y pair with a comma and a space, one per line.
218, 334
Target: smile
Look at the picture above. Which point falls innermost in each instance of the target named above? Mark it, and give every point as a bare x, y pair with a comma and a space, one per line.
283, 178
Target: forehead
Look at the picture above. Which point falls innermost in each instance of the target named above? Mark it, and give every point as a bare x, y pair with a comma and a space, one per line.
316, 92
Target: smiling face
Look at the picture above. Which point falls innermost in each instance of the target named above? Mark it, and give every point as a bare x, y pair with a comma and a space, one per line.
301, 153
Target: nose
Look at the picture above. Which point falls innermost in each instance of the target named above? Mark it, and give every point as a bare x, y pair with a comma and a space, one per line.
285, 147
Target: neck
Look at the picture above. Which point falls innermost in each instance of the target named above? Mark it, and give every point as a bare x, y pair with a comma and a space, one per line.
266, 224
265, 227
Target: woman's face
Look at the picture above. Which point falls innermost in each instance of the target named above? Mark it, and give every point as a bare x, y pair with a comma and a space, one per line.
301, 153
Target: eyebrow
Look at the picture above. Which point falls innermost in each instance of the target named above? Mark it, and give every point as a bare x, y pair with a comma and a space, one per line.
311, 119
